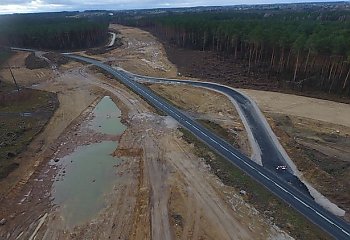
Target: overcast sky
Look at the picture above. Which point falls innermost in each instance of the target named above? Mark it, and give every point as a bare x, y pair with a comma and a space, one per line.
24, 6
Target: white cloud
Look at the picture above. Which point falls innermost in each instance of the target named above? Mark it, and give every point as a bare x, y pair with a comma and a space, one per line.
32, 6
24, 6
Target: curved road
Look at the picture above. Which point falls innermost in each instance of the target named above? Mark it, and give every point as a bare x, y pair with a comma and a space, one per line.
335, 226
111, 43
272, 155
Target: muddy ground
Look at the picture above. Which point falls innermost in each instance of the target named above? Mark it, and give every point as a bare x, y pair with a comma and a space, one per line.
72, 103
161, 188
162, 170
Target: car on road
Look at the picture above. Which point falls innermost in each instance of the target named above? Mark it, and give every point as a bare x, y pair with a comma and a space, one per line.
281, 167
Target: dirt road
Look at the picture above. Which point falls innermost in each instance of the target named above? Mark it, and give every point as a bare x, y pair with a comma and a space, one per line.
140, 53
317, 109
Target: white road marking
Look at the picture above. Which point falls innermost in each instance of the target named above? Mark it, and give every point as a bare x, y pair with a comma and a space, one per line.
213, 140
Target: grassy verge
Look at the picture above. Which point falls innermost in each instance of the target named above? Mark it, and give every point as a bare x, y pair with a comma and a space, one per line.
265, 202
226, 134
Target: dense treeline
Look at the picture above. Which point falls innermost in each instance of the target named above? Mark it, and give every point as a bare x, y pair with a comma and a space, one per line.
299, 49
5, 53
52, 31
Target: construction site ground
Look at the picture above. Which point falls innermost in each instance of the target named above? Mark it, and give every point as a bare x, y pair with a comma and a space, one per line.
162, 189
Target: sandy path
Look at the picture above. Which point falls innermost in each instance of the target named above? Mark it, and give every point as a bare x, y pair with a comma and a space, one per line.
141, 53
111, 43
317, 109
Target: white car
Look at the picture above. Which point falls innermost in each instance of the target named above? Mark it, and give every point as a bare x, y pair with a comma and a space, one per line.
281, 167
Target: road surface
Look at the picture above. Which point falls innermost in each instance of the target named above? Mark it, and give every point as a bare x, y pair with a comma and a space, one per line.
272, 153
111, 43
335, 226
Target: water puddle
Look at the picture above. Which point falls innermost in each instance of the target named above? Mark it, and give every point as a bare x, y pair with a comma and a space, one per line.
107, 117
87, 174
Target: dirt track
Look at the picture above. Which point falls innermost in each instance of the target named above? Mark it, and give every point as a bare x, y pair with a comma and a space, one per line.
140, 53
317, 109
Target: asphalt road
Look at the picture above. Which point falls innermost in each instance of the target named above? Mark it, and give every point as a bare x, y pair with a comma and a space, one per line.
271, 155
335, 226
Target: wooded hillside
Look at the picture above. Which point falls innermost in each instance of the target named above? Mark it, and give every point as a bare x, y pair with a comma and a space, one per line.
300, 50
52, 31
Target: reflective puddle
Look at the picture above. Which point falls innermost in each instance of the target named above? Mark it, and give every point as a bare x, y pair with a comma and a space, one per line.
107, 117
87, 174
